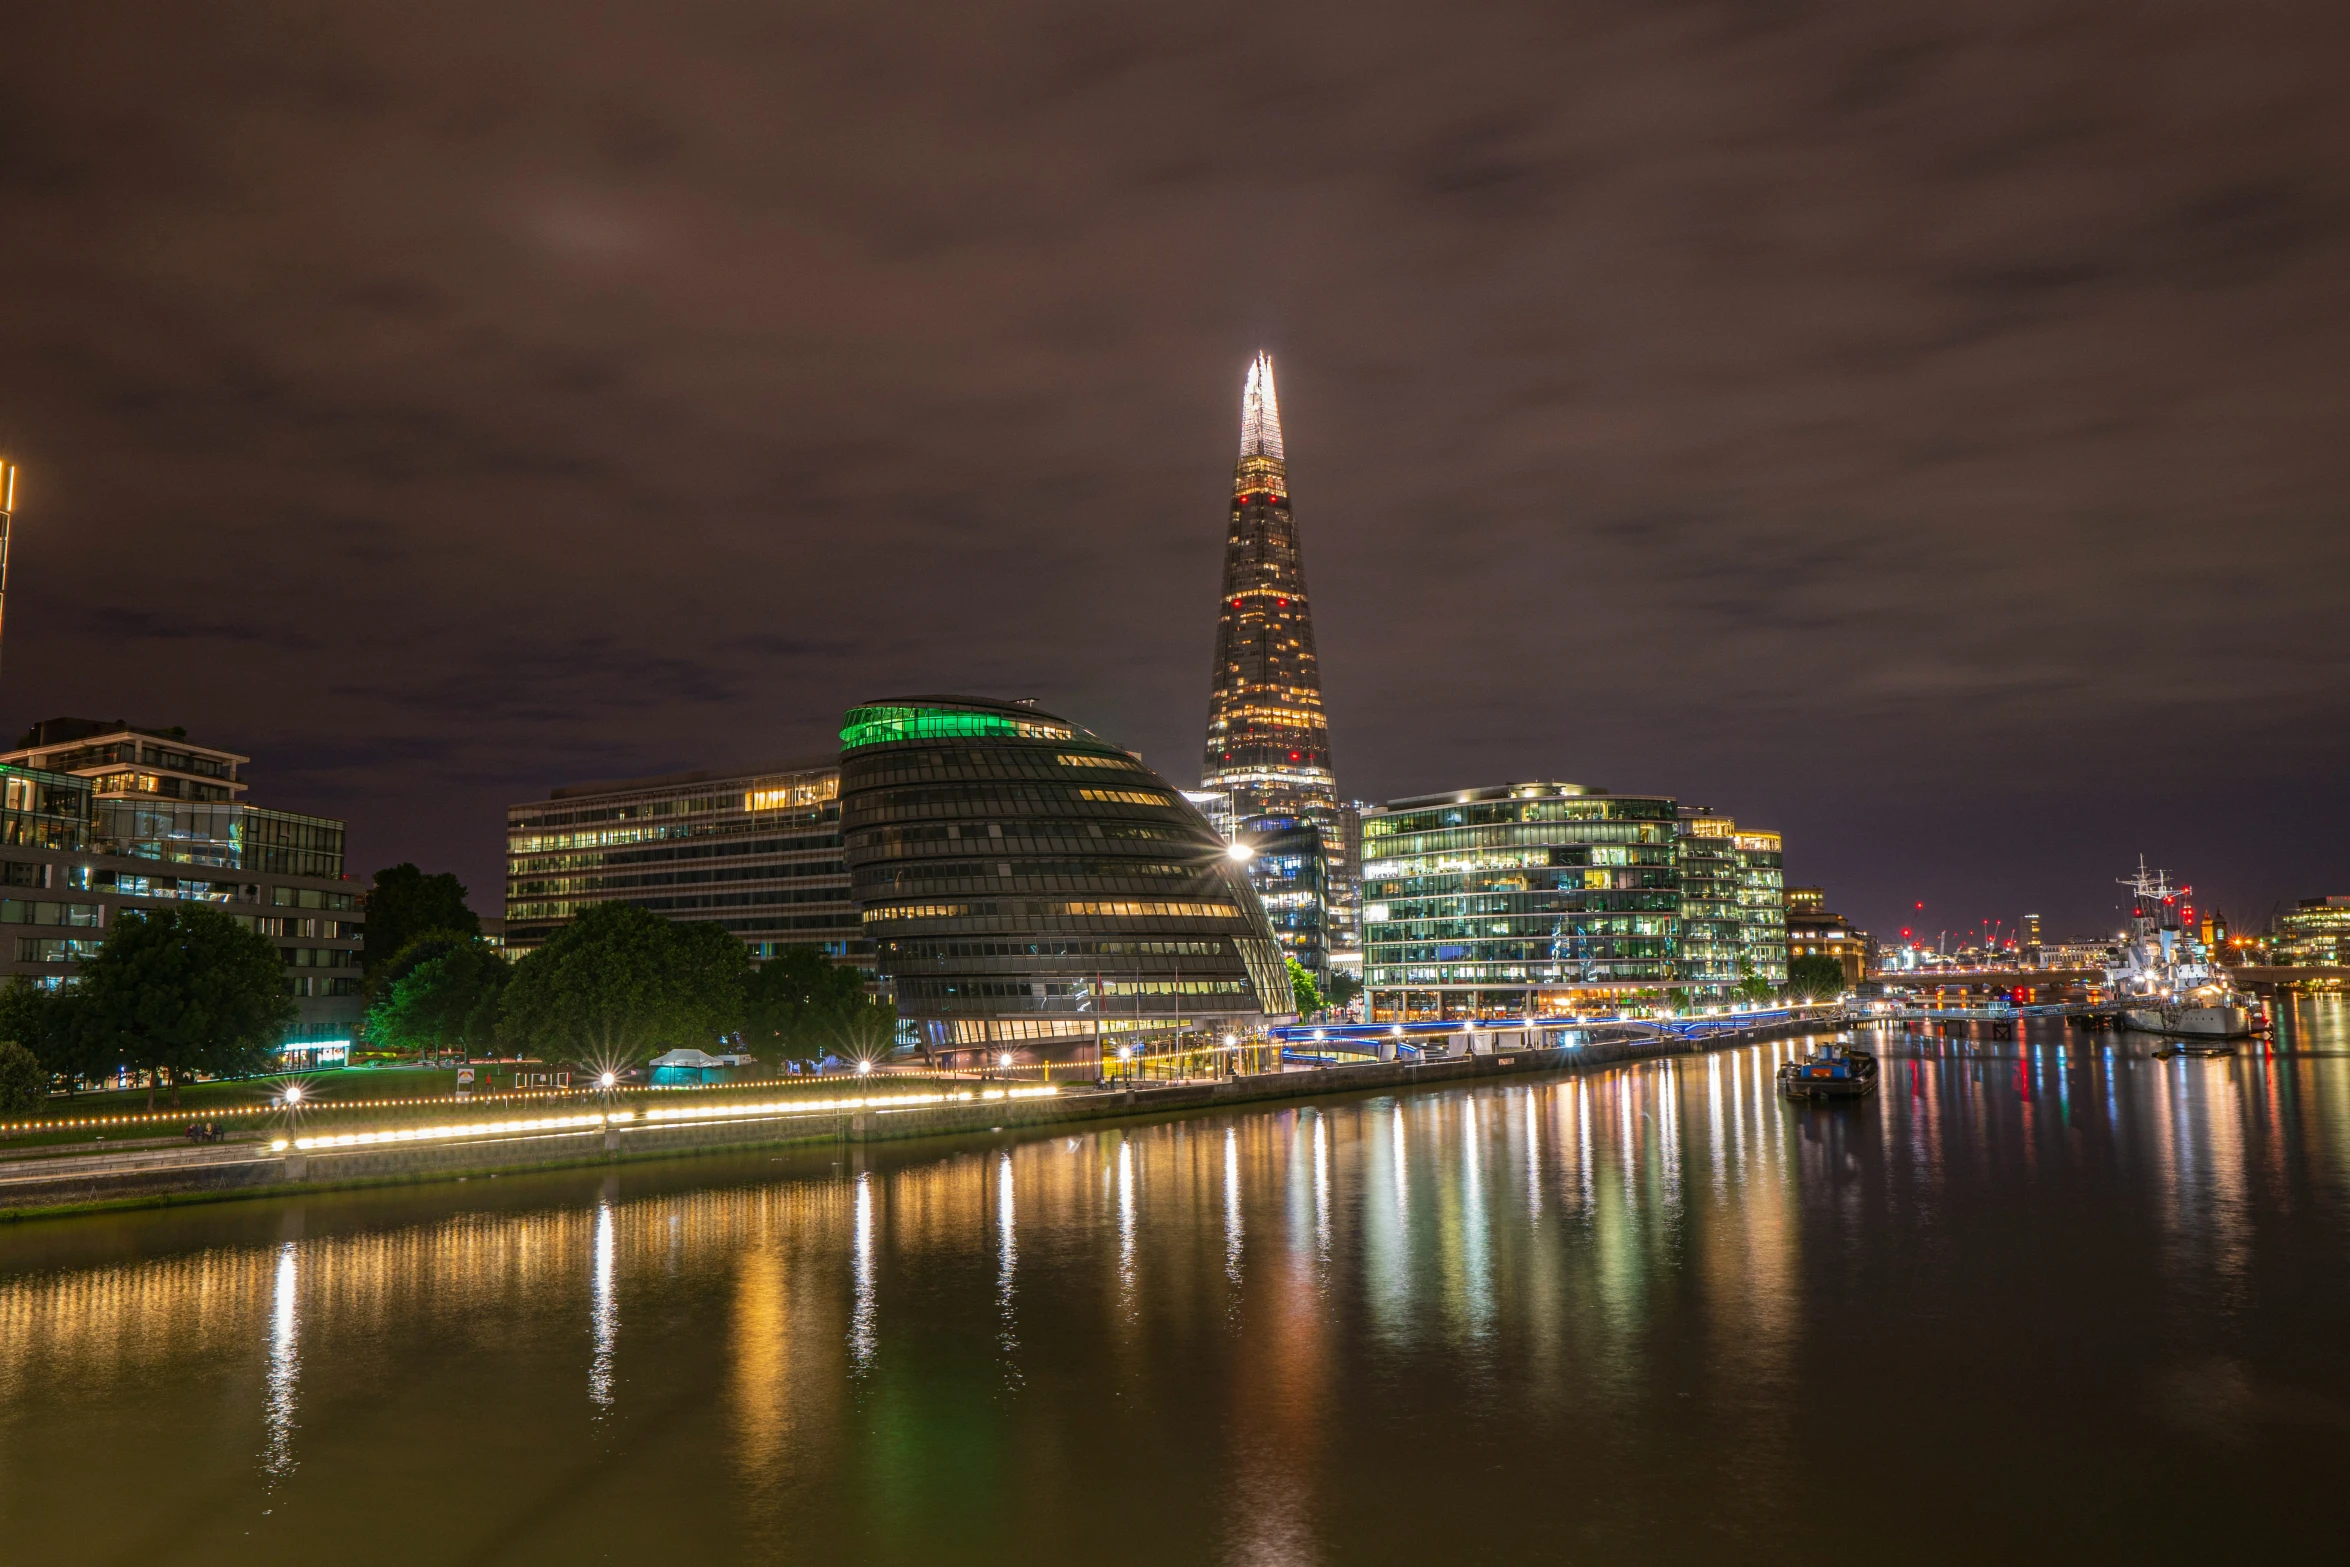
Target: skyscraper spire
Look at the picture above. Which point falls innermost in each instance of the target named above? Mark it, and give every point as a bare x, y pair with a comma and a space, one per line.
1260, 412
1268, 744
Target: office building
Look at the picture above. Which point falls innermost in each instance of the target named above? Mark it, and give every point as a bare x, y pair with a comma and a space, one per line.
1813, 930
757, 853
98, 819
1522, 900
1713, 934
1289, 868
1542, 900
1034, 890
1762, 906
2315, 933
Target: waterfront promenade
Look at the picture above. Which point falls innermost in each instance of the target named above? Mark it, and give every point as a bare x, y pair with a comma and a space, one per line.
427, 1140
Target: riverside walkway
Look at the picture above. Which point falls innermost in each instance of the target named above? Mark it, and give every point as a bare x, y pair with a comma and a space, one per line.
440, 1140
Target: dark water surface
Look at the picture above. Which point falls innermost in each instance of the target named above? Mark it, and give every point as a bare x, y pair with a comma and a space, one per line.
2039, 1298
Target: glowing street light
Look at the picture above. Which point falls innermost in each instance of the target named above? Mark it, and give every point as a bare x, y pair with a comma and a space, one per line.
293, 1093
1239, 852
608, 1080
864, 1066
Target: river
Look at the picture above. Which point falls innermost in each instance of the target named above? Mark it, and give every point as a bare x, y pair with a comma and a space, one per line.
2037, 1296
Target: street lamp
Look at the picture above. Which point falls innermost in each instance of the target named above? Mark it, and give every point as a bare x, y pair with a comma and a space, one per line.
293, 1093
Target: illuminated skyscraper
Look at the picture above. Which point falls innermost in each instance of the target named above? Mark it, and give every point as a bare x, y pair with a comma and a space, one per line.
1268, 743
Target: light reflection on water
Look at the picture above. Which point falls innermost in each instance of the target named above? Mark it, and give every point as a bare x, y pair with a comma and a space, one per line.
1269, 1336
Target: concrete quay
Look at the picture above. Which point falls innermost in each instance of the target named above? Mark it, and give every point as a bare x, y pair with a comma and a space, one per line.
34, 1186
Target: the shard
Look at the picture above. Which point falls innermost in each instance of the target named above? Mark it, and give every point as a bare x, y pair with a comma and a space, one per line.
1268, 751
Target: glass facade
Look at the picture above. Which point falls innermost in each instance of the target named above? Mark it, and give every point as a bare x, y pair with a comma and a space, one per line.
1031, 888
2315, 933
1551, 900
1713, 924
1289, 866
1527, 900
44, 810
758, 854
1762, 906
1268, 742
289, 844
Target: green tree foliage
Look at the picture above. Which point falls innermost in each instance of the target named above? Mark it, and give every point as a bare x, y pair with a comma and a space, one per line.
1815, 974
619, 985
42, 1021
1343, 989
1751, 985
1303, 990
405, 903
24, 1081
800, 1005
184, 990
420, 950
448, 1000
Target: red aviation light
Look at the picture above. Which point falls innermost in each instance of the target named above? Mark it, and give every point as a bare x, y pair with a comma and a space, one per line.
1293, 756
1284, 603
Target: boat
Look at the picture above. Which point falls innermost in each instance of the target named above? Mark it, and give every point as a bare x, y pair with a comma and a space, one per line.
1835, 1072
2166, 981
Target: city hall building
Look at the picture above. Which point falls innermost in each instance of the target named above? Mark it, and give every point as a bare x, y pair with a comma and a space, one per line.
1541, 900
1034, 890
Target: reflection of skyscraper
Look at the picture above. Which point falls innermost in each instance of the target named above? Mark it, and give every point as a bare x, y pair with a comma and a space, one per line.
1268, 741
7, 515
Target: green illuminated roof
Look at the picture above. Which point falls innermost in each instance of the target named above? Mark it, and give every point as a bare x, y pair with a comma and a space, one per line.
881, 725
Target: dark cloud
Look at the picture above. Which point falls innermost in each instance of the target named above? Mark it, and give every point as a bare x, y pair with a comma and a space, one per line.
1920, 429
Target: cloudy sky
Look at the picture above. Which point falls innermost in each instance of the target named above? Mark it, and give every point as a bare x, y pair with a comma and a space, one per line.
1921, 428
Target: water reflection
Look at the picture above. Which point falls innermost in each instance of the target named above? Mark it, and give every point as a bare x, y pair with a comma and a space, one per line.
285, 1368
603, 1309
1481, 1279
861, 1326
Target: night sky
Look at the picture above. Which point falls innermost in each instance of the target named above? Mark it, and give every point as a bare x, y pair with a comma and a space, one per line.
1920, 428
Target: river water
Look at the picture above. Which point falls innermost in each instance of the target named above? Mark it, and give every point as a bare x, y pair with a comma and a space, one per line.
2037, 1296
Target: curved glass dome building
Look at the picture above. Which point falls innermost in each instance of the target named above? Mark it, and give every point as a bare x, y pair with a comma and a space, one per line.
1031, 888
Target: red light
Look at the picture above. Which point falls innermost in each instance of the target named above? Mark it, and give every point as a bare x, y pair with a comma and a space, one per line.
1284, 603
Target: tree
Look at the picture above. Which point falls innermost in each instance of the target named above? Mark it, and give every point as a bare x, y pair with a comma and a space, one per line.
618, 984
24, 1081
420, 950
799, 1004
450, 1000
1751, 985
42, 1021
1303, 991
405, 903
1815, 974
184, 990
1344, 988
714, 966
